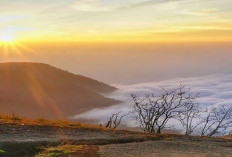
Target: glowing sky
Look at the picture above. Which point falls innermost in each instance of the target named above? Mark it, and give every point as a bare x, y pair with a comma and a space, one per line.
117, 20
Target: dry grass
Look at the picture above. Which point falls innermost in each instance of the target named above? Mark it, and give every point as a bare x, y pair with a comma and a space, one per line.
228, 137
69, 150
82, 140
13, 119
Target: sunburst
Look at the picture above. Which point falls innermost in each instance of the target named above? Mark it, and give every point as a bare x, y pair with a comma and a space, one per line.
7, 37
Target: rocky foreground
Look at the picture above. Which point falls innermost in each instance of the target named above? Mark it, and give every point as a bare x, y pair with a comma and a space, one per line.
36, 139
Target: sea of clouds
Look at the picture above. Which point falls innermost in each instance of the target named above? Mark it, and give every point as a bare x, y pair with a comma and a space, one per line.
214, 90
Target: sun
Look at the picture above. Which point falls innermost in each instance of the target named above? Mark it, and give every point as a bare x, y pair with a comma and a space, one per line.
7, 37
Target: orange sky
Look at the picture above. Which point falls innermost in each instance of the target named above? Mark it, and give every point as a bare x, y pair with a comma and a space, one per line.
120, 40
116, 21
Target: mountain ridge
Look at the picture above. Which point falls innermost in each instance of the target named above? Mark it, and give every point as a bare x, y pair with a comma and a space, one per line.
37, 90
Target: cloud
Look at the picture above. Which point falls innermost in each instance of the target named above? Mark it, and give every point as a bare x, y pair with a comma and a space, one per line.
207, 11
214, 90
104, 6
92, 6
203, 12
151, 2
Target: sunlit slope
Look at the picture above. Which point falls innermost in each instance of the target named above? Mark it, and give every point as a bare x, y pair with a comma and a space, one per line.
40, 90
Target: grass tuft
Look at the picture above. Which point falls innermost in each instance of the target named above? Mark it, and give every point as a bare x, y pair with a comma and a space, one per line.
67, 150
43, 122
2, 151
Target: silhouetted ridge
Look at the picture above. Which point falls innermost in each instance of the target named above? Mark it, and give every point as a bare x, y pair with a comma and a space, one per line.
40, 90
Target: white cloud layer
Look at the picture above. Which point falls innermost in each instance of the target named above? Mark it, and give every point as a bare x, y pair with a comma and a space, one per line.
214, 90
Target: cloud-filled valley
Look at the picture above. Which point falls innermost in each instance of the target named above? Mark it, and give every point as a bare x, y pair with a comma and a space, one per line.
214, 90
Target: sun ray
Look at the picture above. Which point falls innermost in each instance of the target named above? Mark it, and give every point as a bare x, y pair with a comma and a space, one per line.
16, 49
41, 96
5, 52
27, 49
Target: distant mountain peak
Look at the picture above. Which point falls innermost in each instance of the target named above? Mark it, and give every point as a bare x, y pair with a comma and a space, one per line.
41, 90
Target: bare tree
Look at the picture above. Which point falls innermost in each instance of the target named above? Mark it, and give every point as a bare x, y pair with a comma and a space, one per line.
189, 117
153, 113
218, 121
115, 120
